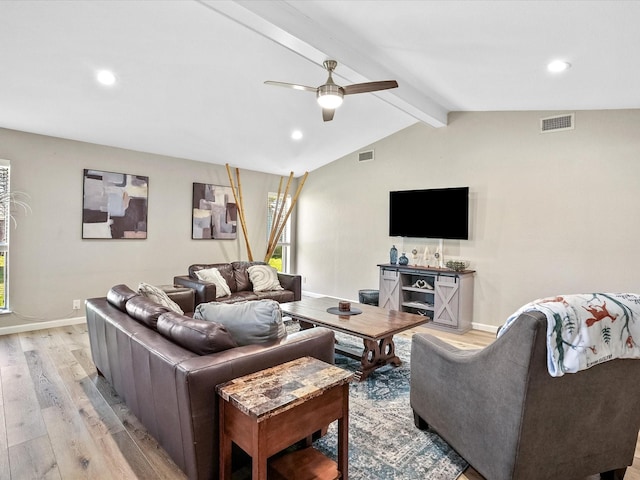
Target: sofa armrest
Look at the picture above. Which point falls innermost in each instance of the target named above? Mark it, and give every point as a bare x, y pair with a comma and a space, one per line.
291, 282
185, 298
197, 378
204, 292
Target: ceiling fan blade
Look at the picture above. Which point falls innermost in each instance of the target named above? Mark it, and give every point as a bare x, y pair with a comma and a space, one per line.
295, 86
327, 114
369, 87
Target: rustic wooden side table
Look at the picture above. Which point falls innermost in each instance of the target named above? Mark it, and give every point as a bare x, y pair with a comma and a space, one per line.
268, 411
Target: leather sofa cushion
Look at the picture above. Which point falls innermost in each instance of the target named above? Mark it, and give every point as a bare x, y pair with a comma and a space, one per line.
145, 311
248, 322
119, 295
198, 336
239, 297
281, 296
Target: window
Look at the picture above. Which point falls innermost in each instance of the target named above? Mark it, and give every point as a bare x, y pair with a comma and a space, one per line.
5, 223
277, 212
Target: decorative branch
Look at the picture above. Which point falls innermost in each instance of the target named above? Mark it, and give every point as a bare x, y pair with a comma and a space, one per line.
284, 222
240, 209
275, 226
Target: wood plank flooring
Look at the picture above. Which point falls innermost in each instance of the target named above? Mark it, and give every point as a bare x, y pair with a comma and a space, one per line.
59, 420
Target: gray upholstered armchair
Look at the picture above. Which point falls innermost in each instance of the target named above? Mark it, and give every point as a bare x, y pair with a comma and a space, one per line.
502, 412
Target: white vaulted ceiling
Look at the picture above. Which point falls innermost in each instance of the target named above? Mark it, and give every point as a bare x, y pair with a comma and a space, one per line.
190, 73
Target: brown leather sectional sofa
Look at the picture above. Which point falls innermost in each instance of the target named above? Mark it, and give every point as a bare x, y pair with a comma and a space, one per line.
170, 388
237, 277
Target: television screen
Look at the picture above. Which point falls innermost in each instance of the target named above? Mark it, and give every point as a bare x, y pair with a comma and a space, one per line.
434, 213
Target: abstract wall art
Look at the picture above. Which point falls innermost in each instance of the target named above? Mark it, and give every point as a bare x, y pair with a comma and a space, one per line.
114, 205
214, 213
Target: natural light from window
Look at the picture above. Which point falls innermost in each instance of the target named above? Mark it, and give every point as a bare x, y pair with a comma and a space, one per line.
281, 258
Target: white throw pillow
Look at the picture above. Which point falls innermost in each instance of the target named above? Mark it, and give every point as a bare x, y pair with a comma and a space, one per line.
158, 296
213, 275
264, 278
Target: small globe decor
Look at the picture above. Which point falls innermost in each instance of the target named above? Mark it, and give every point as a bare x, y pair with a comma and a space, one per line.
457, 265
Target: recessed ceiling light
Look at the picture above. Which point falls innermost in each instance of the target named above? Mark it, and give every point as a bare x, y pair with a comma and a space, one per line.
296, 134
558, 66
106, 77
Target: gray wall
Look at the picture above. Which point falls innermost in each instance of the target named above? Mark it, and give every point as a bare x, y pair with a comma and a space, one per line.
550, 213
51, 265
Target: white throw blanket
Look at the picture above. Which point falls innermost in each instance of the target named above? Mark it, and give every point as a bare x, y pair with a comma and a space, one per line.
587, 329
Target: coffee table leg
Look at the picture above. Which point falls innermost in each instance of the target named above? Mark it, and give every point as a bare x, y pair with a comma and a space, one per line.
376, 355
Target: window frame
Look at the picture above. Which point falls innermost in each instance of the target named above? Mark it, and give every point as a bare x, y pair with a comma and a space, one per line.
5, 232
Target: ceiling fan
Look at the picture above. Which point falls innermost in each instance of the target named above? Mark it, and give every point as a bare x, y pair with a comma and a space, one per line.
330, 94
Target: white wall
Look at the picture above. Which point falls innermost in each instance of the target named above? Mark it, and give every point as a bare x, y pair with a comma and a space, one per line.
550, 213
51, 265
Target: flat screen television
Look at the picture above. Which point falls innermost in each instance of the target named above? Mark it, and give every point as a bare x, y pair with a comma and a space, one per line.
433, 213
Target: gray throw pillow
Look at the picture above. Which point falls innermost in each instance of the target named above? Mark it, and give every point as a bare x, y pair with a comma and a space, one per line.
254, 321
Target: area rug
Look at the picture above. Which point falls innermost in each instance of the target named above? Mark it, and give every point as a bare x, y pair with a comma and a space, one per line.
384, 443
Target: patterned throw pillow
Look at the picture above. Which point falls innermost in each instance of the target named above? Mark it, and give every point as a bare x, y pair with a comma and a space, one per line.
264, 278
158, 296
213, 275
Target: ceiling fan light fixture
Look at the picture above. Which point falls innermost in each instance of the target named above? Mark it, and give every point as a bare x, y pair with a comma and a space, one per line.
558, 66
330, 96
330, 100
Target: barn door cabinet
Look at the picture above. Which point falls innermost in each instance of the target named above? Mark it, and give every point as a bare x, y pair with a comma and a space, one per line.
443, 295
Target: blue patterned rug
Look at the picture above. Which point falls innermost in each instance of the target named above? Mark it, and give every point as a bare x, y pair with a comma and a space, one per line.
384, 443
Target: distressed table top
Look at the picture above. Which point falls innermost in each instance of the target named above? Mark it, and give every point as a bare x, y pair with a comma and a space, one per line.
374, 323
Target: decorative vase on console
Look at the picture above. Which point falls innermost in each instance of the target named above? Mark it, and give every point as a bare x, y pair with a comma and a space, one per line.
393, 255
403, 260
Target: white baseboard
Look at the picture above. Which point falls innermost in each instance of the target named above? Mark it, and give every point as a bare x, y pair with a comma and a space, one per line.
306, 293
30, 327
484, 328
318, 295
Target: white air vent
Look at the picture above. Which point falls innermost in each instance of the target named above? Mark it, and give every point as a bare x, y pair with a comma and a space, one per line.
557, 123
366, 156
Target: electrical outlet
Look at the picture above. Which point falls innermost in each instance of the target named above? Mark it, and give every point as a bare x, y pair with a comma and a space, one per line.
76, 304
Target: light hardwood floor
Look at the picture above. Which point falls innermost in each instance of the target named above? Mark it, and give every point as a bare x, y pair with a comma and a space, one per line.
59, 420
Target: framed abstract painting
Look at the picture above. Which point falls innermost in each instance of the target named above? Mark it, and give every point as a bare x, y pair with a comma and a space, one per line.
114, 205
214, 213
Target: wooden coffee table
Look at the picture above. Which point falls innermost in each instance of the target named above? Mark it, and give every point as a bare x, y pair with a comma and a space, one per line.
375, 326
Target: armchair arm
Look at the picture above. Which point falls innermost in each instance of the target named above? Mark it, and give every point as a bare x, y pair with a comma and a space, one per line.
291, 282
469, 397
205, 292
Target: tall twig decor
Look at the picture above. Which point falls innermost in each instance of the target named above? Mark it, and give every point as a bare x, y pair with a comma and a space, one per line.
237, 195
278, 225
